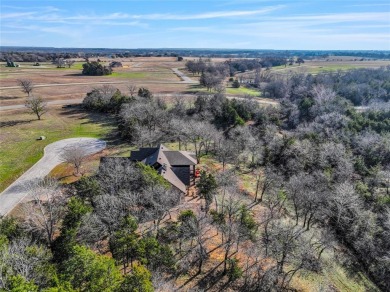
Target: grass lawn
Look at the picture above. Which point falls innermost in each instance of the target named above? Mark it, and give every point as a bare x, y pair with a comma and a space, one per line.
333, 272
77, 66
315, 67
242, 91
128, 74
19, 149
229, 90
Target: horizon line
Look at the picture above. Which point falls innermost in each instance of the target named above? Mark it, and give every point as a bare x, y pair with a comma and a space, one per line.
184, 48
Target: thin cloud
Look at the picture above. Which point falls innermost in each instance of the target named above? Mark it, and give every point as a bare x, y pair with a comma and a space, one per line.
208, 15
194, 28
111, 16
59, 30
54, 17
341, 17
14, 15
369, 5
45, 8
120, 23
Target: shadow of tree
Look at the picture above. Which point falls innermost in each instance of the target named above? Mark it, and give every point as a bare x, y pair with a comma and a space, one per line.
4, 97
14, 123
211, 278
112, 138
74, 74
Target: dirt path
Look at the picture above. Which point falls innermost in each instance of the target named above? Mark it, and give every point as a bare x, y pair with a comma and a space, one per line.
17, 191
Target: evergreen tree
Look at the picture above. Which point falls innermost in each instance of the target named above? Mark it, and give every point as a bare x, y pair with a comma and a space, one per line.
138, 281
207, 186
88, 271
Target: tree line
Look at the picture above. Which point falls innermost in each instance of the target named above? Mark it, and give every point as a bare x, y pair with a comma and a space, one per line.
360, 86
203, 53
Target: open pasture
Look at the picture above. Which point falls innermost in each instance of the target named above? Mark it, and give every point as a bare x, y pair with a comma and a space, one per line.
331, 64
67, 83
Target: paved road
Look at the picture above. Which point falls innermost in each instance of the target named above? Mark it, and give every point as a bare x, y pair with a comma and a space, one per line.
183, 76
17, 191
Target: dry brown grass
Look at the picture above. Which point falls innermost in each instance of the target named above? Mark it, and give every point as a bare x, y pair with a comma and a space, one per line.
153, 73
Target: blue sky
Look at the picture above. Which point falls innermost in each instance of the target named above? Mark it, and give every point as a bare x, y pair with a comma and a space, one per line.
244, 24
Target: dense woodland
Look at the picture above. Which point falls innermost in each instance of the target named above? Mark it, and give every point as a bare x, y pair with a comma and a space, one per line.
359, 86
322, 175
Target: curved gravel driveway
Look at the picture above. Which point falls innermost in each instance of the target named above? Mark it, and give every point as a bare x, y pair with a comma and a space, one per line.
17, 191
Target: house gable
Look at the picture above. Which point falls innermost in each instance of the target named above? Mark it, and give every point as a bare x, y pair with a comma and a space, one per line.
174, 166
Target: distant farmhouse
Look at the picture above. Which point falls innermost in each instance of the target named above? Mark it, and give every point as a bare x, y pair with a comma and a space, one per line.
177, 167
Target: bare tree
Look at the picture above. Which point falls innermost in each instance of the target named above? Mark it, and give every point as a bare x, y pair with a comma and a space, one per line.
42, 217
384, 177
177, 129
26, 85
179, 108
161, 283
25, 258
74, 155
117, 175
36, 105
108, 213
345, 205
200, 134
256, 150
132, 89
60, 62
203, 228
291, 251
257, 78
230, 230
144, 136
226, 152
155, 204
145, 114
227, 183
70, 63
211, 80
107, 91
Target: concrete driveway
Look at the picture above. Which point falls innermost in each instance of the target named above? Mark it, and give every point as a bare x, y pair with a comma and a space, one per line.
17, 191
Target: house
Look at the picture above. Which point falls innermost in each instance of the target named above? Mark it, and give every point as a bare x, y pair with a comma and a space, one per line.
177, 167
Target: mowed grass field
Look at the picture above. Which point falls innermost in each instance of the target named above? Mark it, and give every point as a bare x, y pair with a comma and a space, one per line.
228, 90
19, 149
330, 65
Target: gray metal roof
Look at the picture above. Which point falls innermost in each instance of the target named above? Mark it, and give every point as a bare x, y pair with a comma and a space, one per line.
178, 158
142, 153
171, 164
